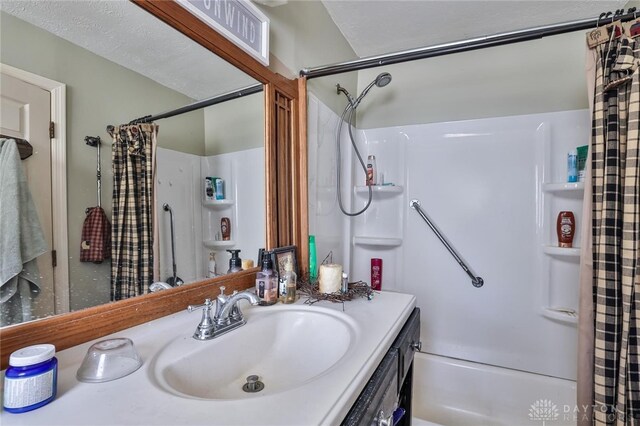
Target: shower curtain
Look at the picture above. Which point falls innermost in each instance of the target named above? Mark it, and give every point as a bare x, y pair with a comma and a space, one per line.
616, 232
132, 242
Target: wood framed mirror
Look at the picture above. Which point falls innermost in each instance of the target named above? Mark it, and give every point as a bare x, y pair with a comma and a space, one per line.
285, 196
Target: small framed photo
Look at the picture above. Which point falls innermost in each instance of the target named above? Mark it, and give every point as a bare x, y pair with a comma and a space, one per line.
282, 256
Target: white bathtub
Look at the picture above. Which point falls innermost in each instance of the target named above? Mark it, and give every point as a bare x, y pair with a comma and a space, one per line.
453, 392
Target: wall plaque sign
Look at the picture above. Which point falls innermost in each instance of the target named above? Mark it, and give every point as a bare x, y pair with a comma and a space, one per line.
238, 20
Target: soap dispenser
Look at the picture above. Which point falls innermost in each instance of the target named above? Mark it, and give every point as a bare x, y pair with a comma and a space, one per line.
266, 282
235, 263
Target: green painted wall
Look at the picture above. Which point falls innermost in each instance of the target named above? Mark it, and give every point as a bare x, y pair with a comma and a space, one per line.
538, 76
234, 125
303, 35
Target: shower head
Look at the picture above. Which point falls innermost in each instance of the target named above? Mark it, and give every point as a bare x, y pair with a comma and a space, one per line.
383, 79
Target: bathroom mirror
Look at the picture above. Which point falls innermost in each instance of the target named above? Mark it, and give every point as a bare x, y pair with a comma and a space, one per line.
118, 63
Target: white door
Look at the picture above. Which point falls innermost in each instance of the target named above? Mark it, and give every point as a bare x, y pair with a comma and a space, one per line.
25, 112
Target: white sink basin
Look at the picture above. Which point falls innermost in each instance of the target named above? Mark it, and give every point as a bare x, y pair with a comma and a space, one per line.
286, 346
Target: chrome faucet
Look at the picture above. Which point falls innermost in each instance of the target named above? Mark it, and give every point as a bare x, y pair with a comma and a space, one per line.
227, 317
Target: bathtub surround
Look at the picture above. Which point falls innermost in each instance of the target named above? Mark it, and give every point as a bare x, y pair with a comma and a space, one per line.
482, 181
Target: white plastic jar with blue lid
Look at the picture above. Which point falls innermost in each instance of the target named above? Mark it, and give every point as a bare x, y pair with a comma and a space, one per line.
31, 380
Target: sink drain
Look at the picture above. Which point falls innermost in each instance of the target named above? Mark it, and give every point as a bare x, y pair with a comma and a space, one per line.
253, 384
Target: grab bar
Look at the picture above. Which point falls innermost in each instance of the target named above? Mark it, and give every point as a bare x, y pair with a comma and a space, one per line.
475, 280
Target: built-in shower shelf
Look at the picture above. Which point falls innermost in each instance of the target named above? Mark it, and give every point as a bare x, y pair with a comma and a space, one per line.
561, 314
377, 241
562, 251
217, 203
380, 189
563, 187
219, 243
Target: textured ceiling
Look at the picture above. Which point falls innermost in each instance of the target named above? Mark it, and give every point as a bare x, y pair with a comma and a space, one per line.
374, 27
127, 35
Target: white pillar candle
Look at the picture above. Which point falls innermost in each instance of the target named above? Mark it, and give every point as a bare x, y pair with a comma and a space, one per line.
330, 278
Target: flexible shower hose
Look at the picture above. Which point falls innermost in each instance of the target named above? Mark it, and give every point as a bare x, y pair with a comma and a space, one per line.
348, 112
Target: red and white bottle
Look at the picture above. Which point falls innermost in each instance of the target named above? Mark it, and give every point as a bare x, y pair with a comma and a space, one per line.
566, 228
372, 172
376, 274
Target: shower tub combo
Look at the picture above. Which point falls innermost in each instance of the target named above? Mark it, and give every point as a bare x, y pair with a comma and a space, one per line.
503, 353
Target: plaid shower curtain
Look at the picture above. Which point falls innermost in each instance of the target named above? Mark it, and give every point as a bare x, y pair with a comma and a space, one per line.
616, 232
133, 166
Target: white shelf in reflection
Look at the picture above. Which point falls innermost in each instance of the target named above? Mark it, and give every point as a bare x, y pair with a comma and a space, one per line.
219, 243
377, 241
217, 203
562, 251
563, 186
380, 189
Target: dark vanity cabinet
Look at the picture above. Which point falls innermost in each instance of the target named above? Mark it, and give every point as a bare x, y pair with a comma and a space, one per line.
386, 399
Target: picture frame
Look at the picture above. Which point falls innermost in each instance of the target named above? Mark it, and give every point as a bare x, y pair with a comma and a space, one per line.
281, 256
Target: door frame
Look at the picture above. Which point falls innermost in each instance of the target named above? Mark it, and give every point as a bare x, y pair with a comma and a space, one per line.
58, 179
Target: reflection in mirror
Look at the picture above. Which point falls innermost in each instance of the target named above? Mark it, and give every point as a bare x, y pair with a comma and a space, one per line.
119, 63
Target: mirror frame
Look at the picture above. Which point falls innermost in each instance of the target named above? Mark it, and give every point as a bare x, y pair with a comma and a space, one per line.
285, 192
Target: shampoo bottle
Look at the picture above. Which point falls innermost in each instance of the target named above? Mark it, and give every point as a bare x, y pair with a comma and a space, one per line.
313, 267
566, 228
572, 166
371, 170
219, 189
266, 282
376, 274
225, 228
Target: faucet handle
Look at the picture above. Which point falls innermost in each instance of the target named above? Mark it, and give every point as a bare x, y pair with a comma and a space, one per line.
222, 289
206, 305
205, 329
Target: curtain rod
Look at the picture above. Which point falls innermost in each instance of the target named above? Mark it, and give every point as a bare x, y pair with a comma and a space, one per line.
249, 90
468, 44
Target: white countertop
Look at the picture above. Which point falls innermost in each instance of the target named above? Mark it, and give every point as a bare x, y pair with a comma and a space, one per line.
137, 400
